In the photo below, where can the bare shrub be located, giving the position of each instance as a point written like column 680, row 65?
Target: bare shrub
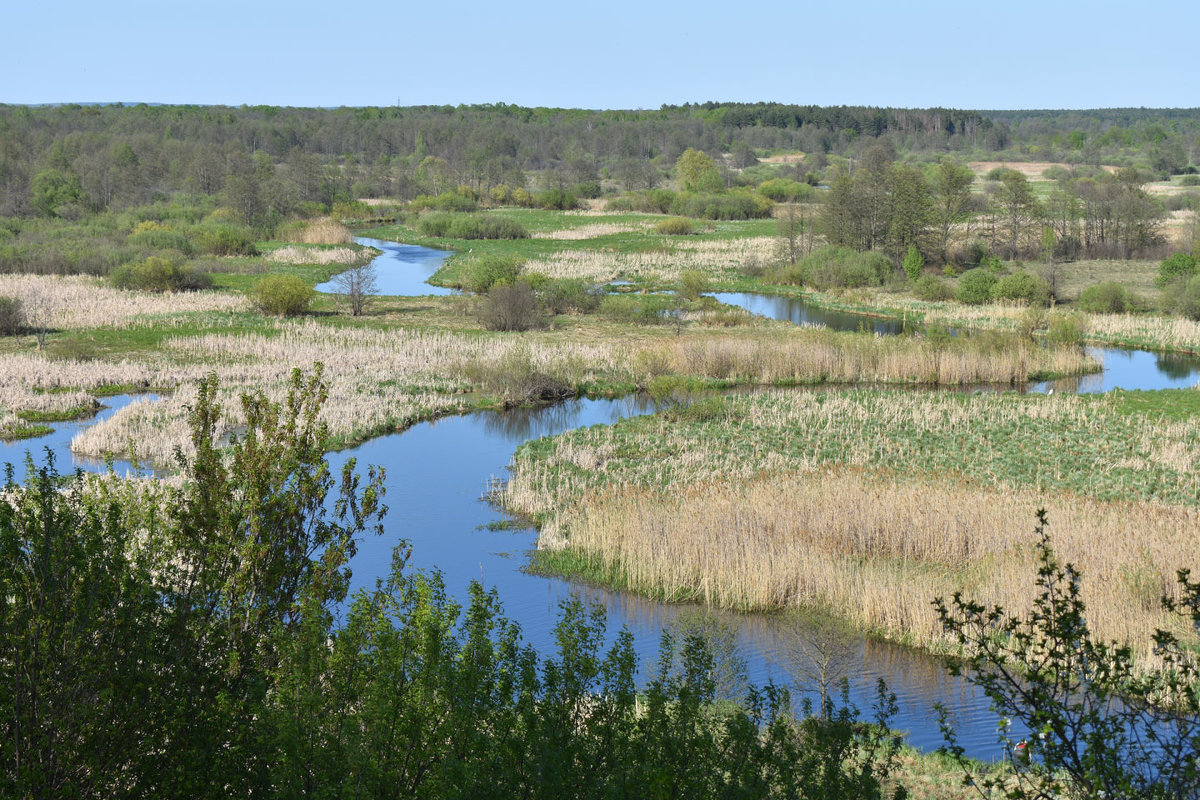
column 513, row 307
column 357, row 284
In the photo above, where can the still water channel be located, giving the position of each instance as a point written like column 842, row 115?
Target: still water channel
column 438, row 474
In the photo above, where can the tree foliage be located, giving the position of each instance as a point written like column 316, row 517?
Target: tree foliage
column 193, row 641
column 1091, row 722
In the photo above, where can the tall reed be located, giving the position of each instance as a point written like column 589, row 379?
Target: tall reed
column 878, row 548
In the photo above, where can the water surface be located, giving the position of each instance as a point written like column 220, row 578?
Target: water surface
column 401, row 270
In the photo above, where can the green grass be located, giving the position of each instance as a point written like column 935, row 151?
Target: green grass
column 1178, row 405
column 68, row 415
column 15, row 433
column 1101, row 447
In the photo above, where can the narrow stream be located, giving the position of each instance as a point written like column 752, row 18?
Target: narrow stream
column 438, row 473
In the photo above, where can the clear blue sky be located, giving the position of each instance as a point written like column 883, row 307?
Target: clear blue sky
column 616, row 54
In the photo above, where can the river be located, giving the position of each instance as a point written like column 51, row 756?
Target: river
column 438, row 474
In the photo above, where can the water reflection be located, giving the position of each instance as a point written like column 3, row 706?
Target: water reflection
column 401, row 269
column 798, row 312
column 522, row 424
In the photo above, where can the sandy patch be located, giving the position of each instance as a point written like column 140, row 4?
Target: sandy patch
column 786, row 158
column 1032, row 170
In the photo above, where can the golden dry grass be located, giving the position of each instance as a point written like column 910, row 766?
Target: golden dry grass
column 785, row 158
column 73, row 302
column 820, row 356
column 665, row 264
column 583, row 232
column 324, row 231
column 878, row 549
column 1151, row 331
column 378, row 379
column 873, row 503
column 315, row 255
column 1032, row 170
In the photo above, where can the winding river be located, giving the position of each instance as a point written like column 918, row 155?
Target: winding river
column 438, row 474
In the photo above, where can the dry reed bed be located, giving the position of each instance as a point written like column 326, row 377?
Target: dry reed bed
column 668, row 263
column 878, row 549
column 813, row 355
column 1147, row 330
column 314, row 255
column 72, row 302
column 378, row 379
column 591, row 231
column 324, row 230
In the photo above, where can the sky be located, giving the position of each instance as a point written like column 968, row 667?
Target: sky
column 617, row 54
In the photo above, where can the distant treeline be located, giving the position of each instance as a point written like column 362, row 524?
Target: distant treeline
column 102, row 156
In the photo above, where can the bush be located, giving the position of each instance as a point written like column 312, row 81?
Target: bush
column 446, row 201
column 692, row 284
column 1183, row 297
column 554, row 200
column 1179, row 265
column 675, row 226
column 283, row 295
column 160, row 239
column 785, row 190
column 726, row 205
column 839, row 268
column 975, row 286
column 156, row 274
column 450, row 225
column 483, row 273
column 511, row 307
column 12, row 315
column 1109, row 297
column 1022, row 286
column 224, row 240
column 571, row 296
column 1065, row 329
column 933, row 289
column 589, row 190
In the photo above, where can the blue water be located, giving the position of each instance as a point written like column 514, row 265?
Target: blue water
column 437, row 476
column 798, row 312
column 58, row 443
column 401, row 270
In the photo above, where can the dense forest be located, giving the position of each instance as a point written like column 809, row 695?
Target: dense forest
column 97, row 157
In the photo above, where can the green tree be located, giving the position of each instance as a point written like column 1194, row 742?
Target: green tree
column 913, row 263
column 1018, row 208
column 1098, row 725
column 951, row 201
column 697, row 172
column 53, row 191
